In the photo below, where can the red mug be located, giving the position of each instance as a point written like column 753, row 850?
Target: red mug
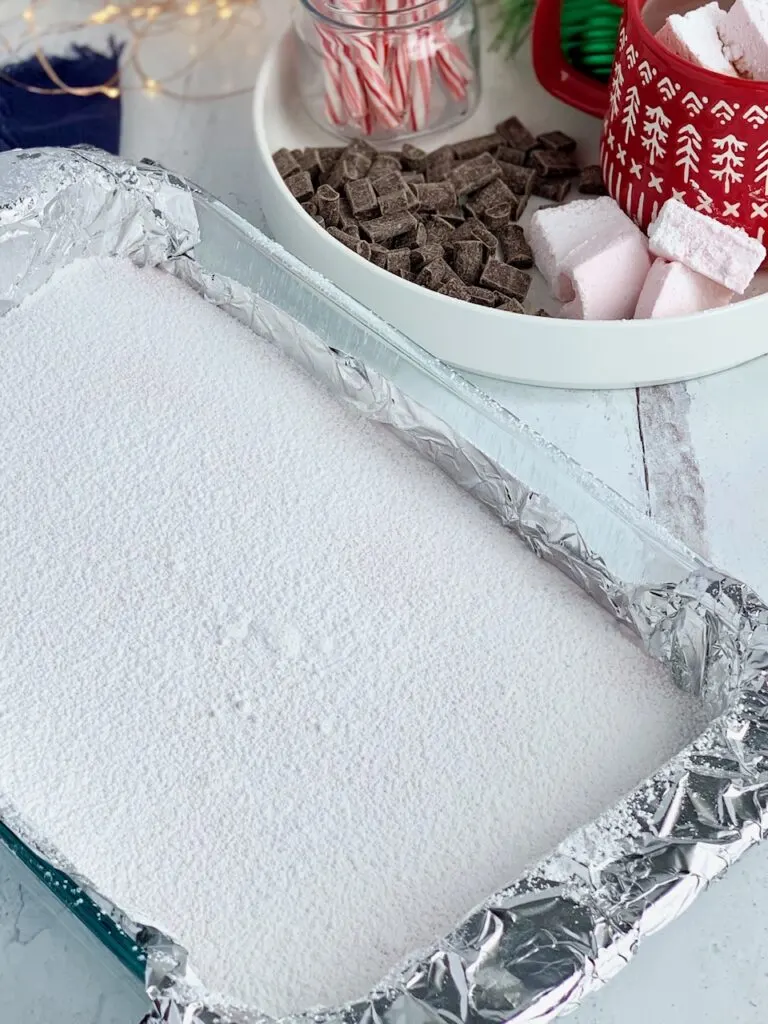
column 673, row 130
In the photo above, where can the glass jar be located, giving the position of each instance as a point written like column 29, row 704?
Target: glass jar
column 387, row 69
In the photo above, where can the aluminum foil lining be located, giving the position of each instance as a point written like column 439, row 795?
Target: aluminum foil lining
column 535, row 949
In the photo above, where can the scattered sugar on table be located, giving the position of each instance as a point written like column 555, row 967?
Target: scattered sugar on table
column 270, row 680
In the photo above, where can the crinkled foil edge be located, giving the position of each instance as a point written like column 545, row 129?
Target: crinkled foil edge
column 535, row 949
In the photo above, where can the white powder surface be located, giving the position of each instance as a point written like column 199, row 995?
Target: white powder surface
column 269, row 679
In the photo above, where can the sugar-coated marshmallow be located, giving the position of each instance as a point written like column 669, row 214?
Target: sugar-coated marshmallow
column 601, row 279
column 726, row 255
column 555, row 231
column 744, row 33
column 695, row 37
column 672, row 289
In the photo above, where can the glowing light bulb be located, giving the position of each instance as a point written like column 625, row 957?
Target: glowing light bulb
column 151, row 86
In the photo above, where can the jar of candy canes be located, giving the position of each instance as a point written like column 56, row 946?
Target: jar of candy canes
column 387, row 69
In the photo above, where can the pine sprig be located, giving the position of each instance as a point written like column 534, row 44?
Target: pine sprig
column 514, row 22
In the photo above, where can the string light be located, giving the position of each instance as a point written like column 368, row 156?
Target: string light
column 141, row 22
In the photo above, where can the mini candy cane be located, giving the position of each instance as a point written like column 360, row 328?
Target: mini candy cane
column 421, row 95
column 382, row 79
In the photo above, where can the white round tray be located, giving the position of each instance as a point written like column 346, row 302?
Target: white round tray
column 529, row 349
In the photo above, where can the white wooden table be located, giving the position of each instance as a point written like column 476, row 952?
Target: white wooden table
column 691, row 456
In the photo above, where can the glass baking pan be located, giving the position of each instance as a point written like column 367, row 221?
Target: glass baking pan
column 535, row 949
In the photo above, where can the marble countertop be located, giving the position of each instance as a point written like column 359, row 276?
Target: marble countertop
column 690, row 455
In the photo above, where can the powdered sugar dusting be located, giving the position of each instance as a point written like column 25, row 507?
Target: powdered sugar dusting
column 270, row 680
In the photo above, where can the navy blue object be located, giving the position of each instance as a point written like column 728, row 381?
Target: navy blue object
column 29, row 119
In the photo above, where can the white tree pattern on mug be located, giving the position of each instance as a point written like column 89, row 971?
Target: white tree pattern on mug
column 761, row 175
column 631, row 110
column 688, row 151
column 617, row 84
column 655, row 133
column 727, row 161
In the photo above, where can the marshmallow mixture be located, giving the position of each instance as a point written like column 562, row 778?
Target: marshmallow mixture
column 269, row 679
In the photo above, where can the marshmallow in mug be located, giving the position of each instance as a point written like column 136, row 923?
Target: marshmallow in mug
column 732, row 43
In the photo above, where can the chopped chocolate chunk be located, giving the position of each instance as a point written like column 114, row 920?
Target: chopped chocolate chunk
column 473, row 230
column 557, row 141
column 394, row 202
column 507, row 280
column 300, row 186
column 353, row 230
column 296, row 153
column 286, row 163
column 455, row 216
column 468, row 260
column 383, row 229
column 518, row 207
column 363, row 147
column 514, row 248
column 436, row 197
column 413, row 178
column 470, row 148
column 510, row 306
column 591, row 181
column 329, row 155
column 311, row 162
column 434, row 274
column 454, row 289
column 475, row 174
column 425, row 254
column 439, row 164
column 413, row 158
column 391, row 181
column 310, row 208
column 415, row 237
column 379, row 256
column 361, row 198
column 347, row 221
column 384, row 165
column 515, row 134
column 361, row 247
column 481, row 296
column 438, row 230
column 349, row 167
column 493, row 194
column 552, row 164
column 556, row 190
column 399, row 262
column 510, row 155
column 519, row 179
column 542, row 312
column 328, row 205
column 495, row 217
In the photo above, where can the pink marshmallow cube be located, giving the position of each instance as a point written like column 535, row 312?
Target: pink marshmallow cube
column 744, row 33
column 555, row 231
column 672, row 289
column 603, row 277
column 726, row 255
column 695, row 37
